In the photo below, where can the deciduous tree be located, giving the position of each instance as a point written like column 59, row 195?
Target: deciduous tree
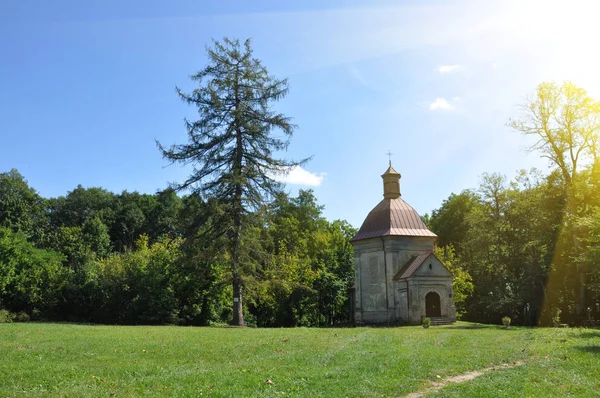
column 565, row 120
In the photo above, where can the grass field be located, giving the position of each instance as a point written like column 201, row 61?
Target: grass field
column 79, row 360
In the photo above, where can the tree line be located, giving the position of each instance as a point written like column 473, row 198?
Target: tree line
column 130, row 258
column 134, row 258
column 530, row 246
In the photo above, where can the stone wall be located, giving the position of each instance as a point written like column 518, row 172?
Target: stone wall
column 376, row 262
column 419, row 287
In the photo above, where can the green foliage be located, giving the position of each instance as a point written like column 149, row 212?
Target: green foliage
column 164, row 216
column 565, row 121
column 96, row 237
column 30, row 278
column 309, row 270
column 82, row 204
column 556, row 317
column 151, row 259
column 21, row 208
column 426, row 321
column 129, row 220
column 6, row 316
column 506, row 320
column 138, row 286
column 531, row 247
column 139, row 258
column 450, row 221
column 22, row 317
column 506, row 253
column 233, row 142
column 114, row 222
column 462, row 284
column 72, row 243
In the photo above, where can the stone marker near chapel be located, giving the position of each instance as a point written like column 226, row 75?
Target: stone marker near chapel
column 398, row 278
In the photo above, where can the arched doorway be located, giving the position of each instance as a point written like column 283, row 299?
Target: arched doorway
column 432, row 305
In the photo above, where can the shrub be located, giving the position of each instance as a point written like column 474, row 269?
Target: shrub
column 426, row 322
column 29, row 277
column 35, row 315
column 556, row 317
column 6, row 316
column 138, row 287
column 506, row 321
column 22, row 317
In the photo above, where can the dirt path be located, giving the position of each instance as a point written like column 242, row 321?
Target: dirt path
column 438, row 385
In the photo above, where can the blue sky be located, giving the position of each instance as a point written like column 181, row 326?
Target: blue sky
column 86, row 87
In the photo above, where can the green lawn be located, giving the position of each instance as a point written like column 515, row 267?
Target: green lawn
column 79, row 360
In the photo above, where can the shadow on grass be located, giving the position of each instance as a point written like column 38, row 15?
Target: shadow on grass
column 461, row 325
column 589, row 335
column 592, row 349
column 471, row 326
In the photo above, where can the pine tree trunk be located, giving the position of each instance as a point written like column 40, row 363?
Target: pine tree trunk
column 238, row 309
column 238, row 313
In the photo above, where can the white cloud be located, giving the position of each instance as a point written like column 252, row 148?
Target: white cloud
column 298, row 176
column 440, row 103
column 449, row 68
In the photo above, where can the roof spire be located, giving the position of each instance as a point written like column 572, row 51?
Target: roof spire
column 389, row 153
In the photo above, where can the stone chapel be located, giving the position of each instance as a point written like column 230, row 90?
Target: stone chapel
column 398, row 278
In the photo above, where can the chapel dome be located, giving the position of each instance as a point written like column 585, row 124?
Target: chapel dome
column 392, row 216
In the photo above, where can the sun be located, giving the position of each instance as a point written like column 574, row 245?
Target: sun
column 569, row 30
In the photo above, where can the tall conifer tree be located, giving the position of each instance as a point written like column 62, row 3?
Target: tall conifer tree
column 232, row 144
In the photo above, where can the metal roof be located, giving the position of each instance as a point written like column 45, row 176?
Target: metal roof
column 411, row 266
column 392, row 217
column 391, row 170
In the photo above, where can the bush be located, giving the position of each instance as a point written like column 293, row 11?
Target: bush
column 426, row 322
column 138, row 287
column 22, row 317
column 556, row 317
column 506, row 321
column 6, row 316
column 29, row 277
column 36, row 315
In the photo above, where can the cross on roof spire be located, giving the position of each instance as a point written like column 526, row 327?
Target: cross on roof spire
column 389, row 153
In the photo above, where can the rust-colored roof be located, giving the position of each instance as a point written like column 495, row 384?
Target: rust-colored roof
column 392, row 217
column 411, row 266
